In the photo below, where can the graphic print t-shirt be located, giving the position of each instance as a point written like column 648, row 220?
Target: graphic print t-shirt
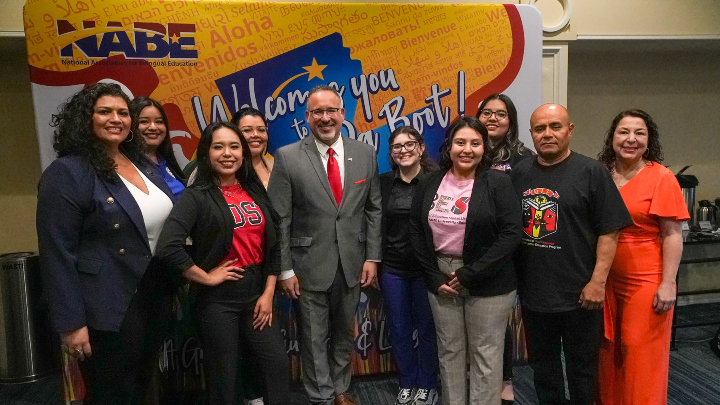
column 249, row 232
column 448, row 214
column 565, row 208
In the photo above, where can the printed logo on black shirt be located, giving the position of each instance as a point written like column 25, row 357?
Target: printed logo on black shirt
column 540, row 214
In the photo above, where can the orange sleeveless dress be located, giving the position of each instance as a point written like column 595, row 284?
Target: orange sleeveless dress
column 635, row 353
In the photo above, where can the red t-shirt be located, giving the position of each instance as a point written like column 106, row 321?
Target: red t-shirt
column 249, row 233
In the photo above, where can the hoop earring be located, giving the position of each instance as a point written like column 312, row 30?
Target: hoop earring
column 131, row 137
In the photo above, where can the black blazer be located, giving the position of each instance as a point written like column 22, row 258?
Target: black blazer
column 93, row 244
column 492, row 233
column 204, row 216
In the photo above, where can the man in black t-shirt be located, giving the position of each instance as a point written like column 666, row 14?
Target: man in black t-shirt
column 572, row 214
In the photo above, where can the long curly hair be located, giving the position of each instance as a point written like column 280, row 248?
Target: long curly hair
column 164, row 150
column 654, row 151
column 74, row 131
column 510, row 145
column 462, row 122
column 427, row 164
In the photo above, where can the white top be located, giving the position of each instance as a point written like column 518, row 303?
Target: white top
column 339, row 156
column 154, row 206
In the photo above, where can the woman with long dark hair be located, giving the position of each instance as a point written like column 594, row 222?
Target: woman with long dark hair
column 100, row 212
column 465, row 224
column 254, row 127
column 233, row 264
column 640, row 292
column 504, row 151
column 150, row 121
column 403, row 286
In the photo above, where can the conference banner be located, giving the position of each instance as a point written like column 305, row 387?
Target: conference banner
column 393, row 64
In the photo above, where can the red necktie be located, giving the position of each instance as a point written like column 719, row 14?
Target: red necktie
column 333, row 171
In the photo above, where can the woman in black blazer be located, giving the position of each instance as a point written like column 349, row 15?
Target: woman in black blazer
column 465, row 228
column 232, row 264
column 100, row 211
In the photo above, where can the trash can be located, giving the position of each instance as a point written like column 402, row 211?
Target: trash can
column 27, row 347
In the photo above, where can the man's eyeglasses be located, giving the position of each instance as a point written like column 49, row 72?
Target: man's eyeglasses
column 247, row 131
column 499, row 114
column 319, row 113
column 409, row 146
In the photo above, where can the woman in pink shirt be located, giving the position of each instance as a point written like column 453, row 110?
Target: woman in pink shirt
column 465, row 228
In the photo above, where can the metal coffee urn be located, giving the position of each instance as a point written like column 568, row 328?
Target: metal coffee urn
column 26, row 339
column 688, row 183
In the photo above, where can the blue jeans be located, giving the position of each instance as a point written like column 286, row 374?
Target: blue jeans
column 407, row 309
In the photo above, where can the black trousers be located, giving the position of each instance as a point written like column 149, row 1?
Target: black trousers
column 119, row 370
column 226, row 331
column 577, row 333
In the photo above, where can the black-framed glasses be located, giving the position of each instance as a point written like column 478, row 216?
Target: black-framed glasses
column 499, row 114
column 409, row 146
column 319, row 112
column 247, row 131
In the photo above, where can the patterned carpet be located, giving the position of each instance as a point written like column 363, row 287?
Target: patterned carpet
column 693, row 380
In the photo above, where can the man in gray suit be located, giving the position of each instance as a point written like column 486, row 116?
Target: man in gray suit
column 326, row 190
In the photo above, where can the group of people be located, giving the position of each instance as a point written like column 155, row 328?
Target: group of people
column 590, row 248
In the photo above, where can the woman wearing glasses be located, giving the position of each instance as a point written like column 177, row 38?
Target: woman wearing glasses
column 403, row 286
column 254, row 128
column 504, row 151
column 465, row 226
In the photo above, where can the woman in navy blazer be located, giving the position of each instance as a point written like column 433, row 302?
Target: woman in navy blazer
column 100, row 211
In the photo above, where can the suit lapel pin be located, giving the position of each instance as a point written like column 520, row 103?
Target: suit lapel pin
column 350, row 159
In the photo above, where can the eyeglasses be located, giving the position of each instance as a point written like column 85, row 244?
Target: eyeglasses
column 319, row 113
column 409, row 146
column 247, row 131
column 499, row 114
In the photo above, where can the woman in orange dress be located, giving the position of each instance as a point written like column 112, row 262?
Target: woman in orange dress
column 641, row 290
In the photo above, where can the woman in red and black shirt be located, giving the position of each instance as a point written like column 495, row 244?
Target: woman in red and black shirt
column 232, row 264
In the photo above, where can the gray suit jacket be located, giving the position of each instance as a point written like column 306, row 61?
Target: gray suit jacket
column 314, row 232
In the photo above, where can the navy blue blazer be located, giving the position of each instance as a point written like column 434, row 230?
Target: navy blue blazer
column 93, row 244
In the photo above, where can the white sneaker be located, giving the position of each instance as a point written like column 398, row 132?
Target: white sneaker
column 405, row 397
column 425, row 397
column 256, row 401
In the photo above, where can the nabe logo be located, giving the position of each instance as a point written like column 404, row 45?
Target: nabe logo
column 149, row 40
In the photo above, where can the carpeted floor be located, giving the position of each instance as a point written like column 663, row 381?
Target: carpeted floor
column 693, row 380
